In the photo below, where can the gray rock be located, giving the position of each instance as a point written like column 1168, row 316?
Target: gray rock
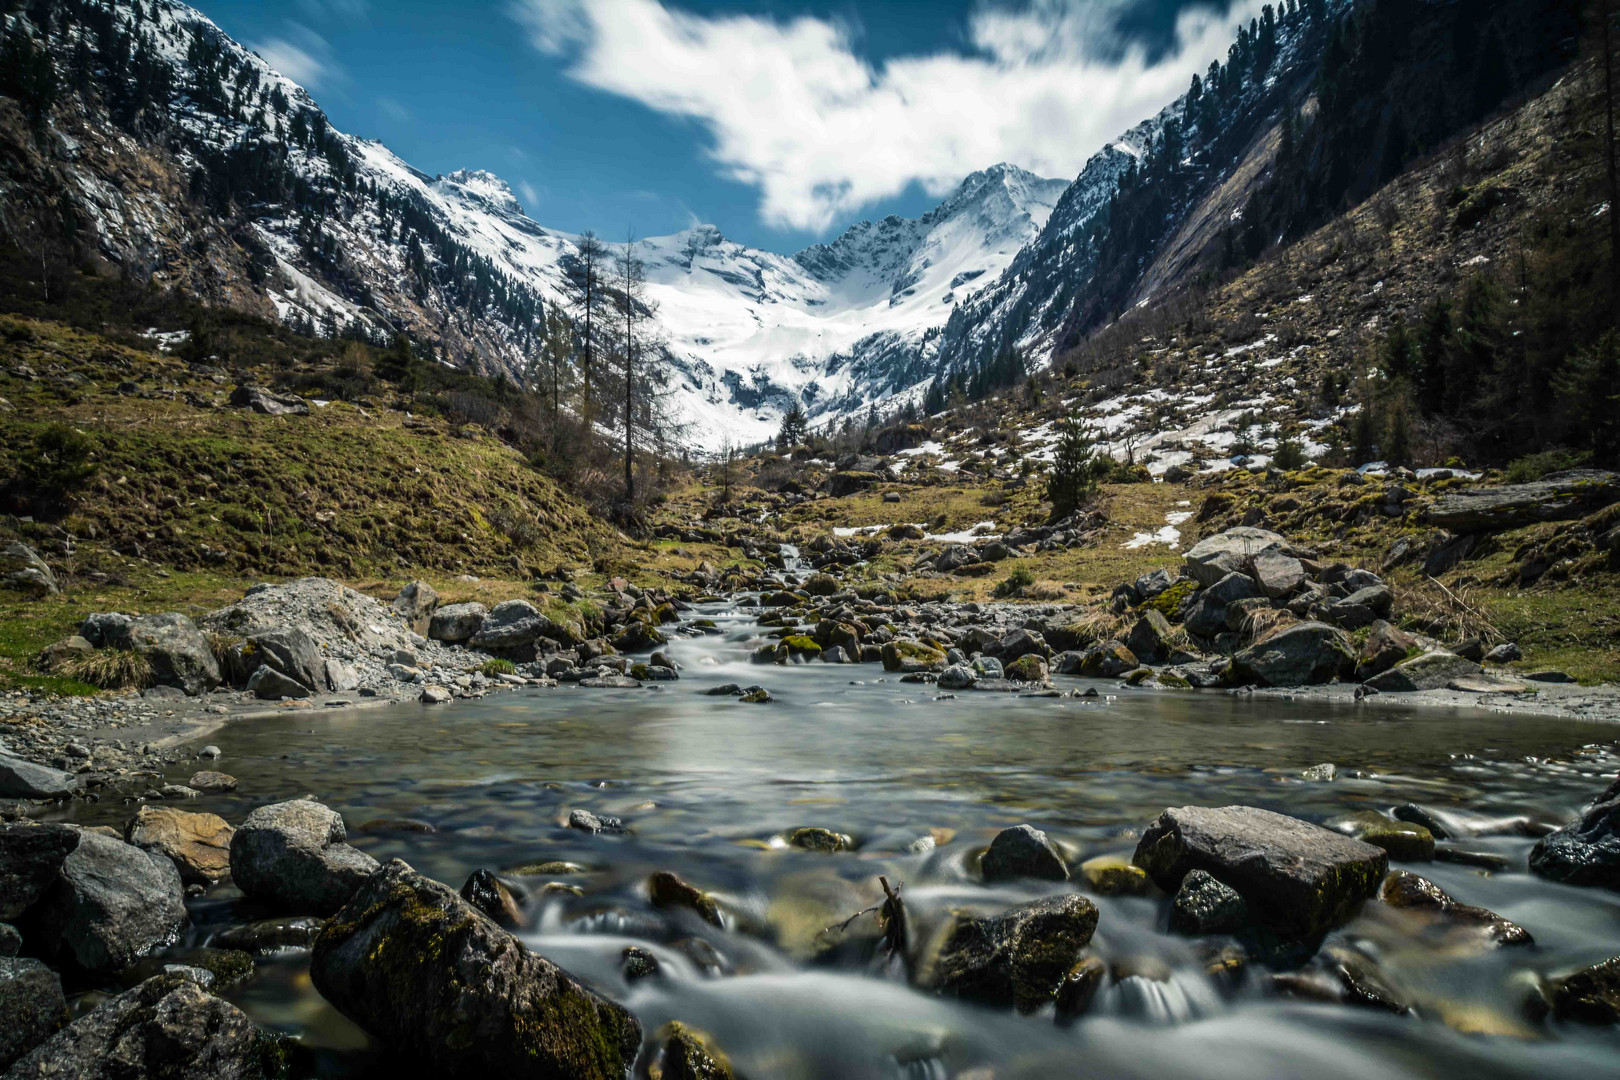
column 1214, row 557
column 512, row 624
column 268, row 684
column 22, row 569
column 585, row 821
column 988, row 667
column 1379, row 598
column 179, row 653
column 1018, row 644
column 957, row 677
column 167, row 1028
column 1204, row 905
column 1304, row 654
column 107, row 630
column 262, row 401
column 340, row 676
column 1557, row 497
column 1506, row 653
column 1299, row 878
column 291, row 652
column 324, row 609
column 1434, row 670
column 435, row 695
column 109, row 904
column 1019, row 958
column 1279, row 576
column 1147, row 639
column 1150, row 585
column 30, row 857
column 1385, row 647
column 416, row 604
column 21, row 779
column 1584, row 852
column 293, row 856
column 10, row 940
column 1023, row 851
column 1207, row 616
column 425, row 974
column 32, row 1007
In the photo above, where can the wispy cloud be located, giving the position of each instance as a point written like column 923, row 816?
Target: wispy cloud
column 793, row 110
column 531, row 197
column 303, row 56
column 346, row 10
column 393, row 110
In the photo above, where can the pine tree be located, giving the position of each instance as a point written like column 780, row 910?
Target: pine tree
column 795, row 427
column 587, row 298
column 1077, row 469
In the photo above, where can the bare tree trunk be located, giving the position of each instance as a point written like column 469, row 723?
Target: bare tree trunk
column 1606, row 13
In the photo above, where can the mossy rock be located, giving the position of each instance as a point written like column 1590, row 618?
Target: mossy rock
column 821, row 585
column 1172, row 681
column 765, row 654
column 815, row 838
column 897, row 655
column 1115, row 875
column 1404, row 840
column 1168, row 603
column 685, row 1053
column 798, row 645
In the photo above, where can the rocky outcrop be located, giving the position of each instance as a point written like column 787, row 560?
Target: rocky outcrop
column 511, row 625
column 265, row 403
column 416, row 604
column 293, row 856
column 167, row 1028
column 1019, row 958
column 1299, row 878
column 430, row 977
column 1560, row 496
column 456, row 623
column 1434, row 670
column 1230, row 552
column 292, row 654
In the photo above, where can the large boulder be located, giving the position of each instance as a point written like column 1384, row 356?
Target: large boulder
column 269, row 684
column 1300, row 655
column 21, row 779
column 840, row 484
column 292, row 653
column 1023, row 851
column 1560, row 496
column 293, row 856
column 427, row 975
column 1018, row 958
column 511, row 625
column 910, row 656
column 456, row 623
column 179, row 653
column 1230, row 552
column 1584, row 852
column 416, row 604
column 110, row 903
column 107, row 629
column 326, row 610
column 1018, row 644
column 1148, row 640
column 1207, row 616
column 1298, row 878
column 22, row 569
column 30, row 856
column 1434, row 670
column 1385, row 647
column 167, row 1028
column 32, row 1007
column 199, row 845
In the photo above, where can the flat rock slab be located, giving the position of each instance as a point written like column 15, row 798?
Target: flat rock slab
column 1560, row 496
column 1434, row 670
column 21, row 779
column 1297, row 878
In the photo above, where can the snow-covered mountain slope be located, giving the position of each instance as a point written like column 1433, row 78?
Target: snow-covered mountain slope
column 339, row 235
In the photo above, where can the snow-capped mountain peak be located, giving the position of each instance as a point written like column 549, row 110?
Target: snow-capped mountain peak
column 479, row 184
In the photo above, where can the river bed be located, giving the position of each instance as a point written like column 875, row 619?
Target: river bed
column 708, row 786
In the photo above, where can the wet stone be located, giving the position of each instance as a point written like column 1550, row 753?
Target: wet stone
column 586, row 821
column 1019, row 958
column 1204, row 905
column 1023, row 851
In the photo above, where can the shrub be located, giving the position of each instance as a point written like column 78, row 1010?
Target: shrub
column 57, row 465
column 112, row 669
column 497, row 666
column 1533, row 467
column 1289, row 456
column 1015, row 583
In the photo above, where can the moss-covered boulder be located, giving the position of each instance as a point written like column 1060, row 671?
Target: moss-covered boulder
column 1019, row 958
column 668, row 890
column 1403, row 840
column 907, row 656
column 815, row 838
column 638, row 636
column 798, row 647
column 1028, row 669
column 821, row 585
column 433, row 979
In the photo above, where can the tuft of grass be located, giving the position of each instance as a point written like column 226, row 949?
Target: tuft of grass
column 497, row 666
column 111, row 669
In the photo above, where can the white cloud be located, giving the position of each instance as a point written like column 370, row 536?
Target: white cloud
column 793, row 110
column 303, row 56
column 531, row 197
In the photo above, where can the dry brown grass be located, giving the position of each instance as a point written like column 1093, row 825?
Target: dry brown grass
column 111, row 669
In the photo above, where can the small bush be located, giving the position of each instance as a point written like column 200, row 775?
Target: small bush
column 1015, row 583
column 1533, row 467
column 497, row 666
column 1289, row 456
column 112, row 669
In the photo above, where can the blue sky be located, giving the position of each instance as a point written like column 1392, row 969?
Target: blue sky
column 779, row 122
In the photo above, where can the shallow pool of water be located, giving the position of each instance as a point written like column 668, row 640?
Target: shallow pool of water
column 707, row 786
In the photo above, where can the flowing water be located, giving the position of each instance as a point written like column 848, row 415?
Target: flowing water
column 708, row 786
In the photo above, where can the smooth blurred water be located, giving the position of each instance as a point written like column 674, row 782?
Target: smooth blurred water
column 707, row 786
